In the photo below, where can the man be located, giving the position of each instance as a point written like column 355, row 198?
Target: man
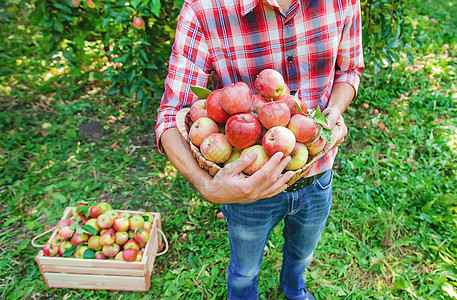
column 316, row 45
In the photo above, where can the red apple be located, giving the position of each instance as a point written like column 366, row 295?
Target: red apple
column 66, row 232
column 132, row 244
column 124, row 215
column 104, row 206
column 299, row 157
column 50, row 249
column 257, row 102
column 303, row 127
column 138, row 22
column 278, row 139
column 63, row 223
column 78, row 239
column 290, row 101
column 216, row 148
column 104, row 221
column 202, row 128
column 261, row 160
column 107, row 238
column 100, row 255
column 121, row 224
column 95, row 211
column 130, row 254
column 90, row 3
column 94, row 243
column 243, row 130
column 142, row 236
column 121, row 237
column 316, row 146
column 270, row 83
column 136, row 222
column 273, row 114
column 286, row 89
column 111, row 251
column 139, row 257
column 214, row 108
column 198, row 110
column 236, row 98
column 75, row 3
column 80, row 251
column 148, row 226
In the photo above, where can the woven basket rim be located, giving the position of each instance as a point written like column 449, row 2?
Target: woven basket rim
column 213, row 168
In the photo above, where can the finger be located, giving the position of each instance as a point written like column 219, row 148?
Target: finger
column 242, row 163
column 266, row 170
column 279, row 186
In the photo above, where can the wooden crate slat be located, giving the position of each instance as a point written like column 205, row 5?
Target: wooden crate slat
column 94, row 263
column 95, row 271
column 105, row 282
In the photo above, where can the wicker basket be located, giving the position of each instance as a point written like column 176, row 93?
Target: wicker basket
column 183, row 119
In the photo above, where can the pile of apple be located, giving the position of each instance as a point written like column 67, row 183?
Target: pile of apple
column 231, row 121
column 101, row 232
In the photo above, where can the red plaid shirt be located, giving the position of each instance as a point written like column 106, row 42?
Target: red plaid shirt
column 315, row 44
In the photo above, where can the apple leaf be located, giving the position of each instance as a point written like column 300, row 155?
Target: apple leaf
column 84, row 210
column 89, row 229
column 297, row 103
column 326, row 134
column 89, row 253
column 79, row 230
column 69, row 251
column 200, row 92
column 319, row 117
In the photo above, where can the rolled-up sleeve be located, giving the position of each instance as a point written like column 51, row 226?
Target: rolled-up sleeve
column 189, row 65
column 349, row 61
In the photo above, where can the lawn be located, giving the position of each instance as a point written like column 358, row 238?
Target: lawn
column 391, row 233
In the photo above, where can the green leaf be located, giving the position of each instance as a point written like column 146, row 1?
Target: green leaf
column 89, row 254
column 155, row 7
column 89, row 229
column 69, row 251
column 201, row 93
column 297, row 103
column 319, row 117
column 136, row 3
column 400, row 283
column 326, row 134
column 63, row 8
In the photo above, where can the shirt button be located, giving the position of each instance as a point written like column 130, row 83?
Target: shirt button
column 290, row 58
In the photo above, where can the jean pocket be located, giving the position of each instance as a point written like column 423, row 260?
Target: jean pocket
column 325, row 181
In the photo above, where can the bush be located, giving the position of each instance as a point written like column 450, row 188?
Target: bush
column 95, row 40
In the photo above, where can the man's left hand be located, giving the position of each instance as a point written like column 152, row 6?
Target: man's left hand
column 334, row 118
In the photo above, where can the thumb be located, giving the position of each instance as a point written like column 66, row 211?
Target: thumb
column 332, row 118
column 243, row 162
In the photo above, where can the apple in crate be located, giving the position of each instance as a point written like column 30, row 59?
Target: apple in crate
column 64, row 246
column 50, row 249
column 93, row 223
column 136, row 222
column 299, row 157
column 304, row 128
column 214, row 108
column 121, row 224
column 111, row 251
column 94, row 243
column 260, row 161
column 104, row 221
column 121, row 237
column 278, row 139
column 66, row 232
column 142, row 236
column 107, row 238
column 100, row 255
column 114, row 214
column 78, row 239
column 198, row 110
column 216, row 148
column 236, row 98
column 105, row 206
column 273, row 114
column 132, row 244
column 202, row 128
column 130, row 254
column 243, row 130
column 118, row 256
column 270, row 83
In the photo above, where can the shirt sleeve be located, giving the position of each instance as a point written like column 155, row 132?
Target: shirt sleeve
column 349, row 60
column 189, row 65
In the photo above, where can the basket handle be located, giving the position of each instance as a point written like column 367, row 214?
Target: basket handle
column 40, row 235
column 181, row 122
column 166, row 242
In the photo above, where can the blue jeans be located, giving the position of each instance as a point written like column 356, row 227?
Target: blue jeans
column 249, row 224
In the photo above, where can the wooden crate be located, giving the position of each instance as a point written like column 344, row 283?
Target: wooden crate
column 60, row 272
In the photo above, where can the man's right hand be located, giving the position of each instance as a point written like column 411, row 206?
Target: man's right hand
column 230, row 185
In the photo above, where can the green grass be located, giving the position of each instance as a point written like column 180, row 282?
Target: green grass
column 392, row 229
